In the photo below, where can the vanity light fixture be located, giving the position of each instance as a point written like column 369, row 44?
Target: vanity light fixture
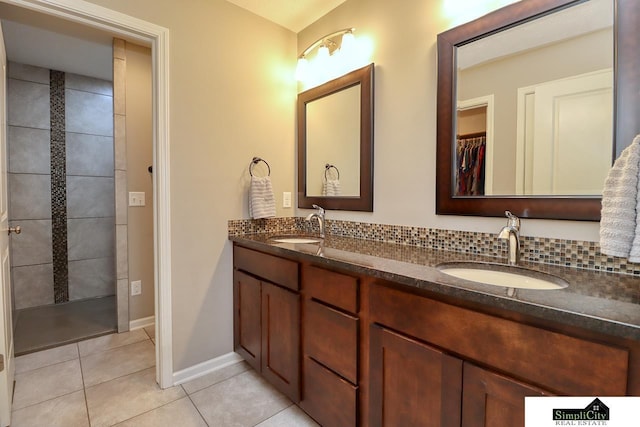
column 329, row 57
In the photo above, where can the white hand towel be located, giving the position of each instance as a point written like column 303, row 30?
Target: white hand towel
column 262, row 202
column 331, row 187
column 619, row 219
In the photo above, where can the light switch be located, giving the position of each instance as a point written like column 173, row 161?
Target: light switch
column 136, row 198
column 286, row 199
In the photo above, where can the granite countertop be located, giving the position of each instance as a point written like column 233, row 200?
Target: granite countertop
column 603, row 302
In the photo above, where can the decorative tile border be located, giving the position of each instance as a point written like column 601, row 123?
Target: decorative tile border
column 58, row 188
column 567, row 253
column 264, row 225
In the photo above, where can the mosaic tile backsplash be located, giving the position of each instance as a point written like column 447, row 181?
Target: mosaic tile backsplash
column 568, row 253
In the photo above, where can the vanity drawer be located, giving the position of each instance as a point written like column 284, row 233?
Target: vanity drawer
column 336, row 289
column 560, row 363
column 327, row 398
column 278, row 270
column 331, row 338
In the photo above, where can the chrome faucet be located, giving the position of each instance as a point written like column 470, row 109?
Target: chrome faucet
column 319, row 215
column 511, row 233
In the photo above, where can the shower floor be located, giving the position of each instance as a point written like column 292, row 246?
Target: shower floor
column 39, row 328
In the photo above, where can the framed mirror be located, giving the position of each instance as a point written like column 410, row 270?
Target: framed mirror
column 507, row 136
column 335, row 143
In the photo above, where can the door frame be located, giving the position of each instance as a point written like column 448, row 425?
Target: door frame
column 7, row 377
column 487, row 101
column 130, row 28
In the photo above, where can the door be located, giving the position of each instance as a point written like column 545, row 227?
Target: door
column 6, row 328
column 411, row 383
column 281, row 339
column 247, row 320
column 493, row 400
column 570, row 124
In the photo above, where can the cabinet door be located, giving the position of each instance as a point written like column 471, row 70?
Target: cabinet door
column 412, row 384
column 247, row 320
column 490, row 399
column 281, row 339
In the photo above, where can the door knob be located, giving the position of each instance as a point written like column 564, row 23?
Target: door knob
column 15, row 229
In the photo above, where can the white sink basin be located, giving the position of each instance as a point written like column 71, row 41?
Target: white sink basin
column 296, row 239
column 506, row 276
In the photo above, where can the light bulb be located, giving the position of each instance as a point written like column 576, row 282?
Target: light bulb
column 302, row 69
column 321, row 63
column 348, row 44
column 323, row 55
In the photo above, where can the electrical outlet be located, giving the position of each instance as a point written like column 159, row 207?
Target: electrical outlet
column 136, row 287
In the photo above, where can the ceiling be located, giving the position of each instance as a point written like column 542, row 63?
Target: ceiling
column 36, row 39
column 560, row 26
column 292, row 14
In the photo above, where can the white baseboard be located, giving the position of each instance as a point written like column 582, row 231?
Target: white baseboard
column 205, row 367
column 142, row 323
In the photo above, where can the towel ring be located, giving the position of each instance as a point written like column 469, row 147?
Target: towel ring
column 326, row 169
column 255, row 161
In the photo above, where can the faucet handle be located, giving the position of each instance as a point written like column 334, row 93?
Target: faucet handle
column 319, row 208
column 512, row 220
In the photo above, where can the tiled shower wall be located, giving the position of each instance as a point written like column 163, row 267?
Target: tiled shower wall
column 61, row 186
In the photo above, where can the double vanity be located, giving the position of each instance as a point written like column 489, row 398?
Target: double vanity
column 359, row 332
column 366, row 333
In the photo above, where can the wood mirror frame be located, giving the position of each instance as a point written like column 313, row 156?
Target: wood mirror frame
column 626, row 110
column 363, row 202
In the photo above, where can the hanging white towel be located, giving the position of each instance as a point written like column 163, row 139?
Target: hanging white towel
column 331, row 187
column 620, row 215
column 262, row 202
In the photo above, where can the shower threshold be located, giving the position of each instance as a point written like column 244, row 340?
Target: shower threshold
column 40, row 328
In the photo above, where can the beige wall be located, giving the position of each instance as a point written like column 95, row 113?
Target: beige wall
column 404, row 35
column 232, row 97
column 139, row 133
column 472, row 120
column 333, row 137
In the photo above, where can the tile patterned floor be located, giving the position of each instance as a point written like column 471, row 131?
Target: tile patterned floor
column 110, row 381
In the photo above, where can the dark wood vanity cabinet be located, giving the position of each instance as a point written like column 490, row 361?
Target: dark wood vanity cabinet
column 459, row 367
column 330, row 337
column 358, row 351
column 413, row 383
column 267, row 317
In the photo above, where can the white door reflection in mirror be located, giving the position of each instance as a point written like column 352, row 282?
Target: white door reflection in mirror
column 561, row 46
column 563, row 131
column 333, row 137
